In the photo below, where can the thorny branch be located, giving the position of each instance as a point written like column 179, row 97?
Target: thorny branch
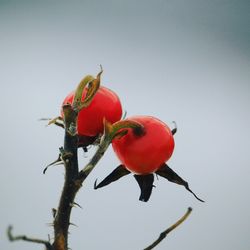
column 68, row 155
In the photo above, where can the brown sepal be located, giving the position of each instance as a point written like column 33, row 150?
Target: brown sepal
column 166, row 172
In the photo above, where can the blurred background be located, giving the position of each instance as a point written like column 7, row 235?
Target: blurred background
column 183, row 61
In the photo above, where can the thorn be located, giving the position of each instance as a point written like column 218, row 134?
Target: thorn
column 58, row 161
column 174, row 130
column 124, row 115
column 58, row 121
column 95, row 184
column 54, row 212
column 50, row 224
column 74, row 204
column 72, row 224
column 54, row 120
column 44, row 119
column 101, row 68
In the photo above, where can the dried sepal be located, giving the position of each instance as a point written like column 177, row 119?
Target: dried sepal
column 79, row 90
column 166, row 172
column 120, row 128
column 115, row 175
column 120, row 134
column 125, row 124
column 92, row 85
column 145, row 183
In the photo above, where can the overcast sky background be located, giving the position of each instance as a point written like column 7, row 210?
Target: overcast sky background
column 187, row 61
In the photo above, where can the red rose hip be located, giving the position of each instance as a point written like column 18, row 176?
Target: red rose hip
column 105, row 104
column 145, row 153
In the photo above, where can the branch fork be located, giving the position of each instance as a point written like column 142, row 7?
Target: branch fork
column 68, row 156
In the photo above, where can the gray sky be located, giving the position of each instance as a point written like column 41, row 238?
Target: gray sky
column 187, row 61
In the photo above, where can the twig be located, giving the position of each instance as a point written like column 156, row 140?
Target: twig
column 102, row 147
column 164, row 234
column 25, row 238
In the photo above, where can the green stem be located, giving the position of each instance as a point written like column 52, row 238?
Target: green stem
column 102, row 147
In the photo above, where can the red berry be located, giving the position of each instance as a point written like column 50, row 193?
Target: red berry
column 145, row 154
column 105, row 104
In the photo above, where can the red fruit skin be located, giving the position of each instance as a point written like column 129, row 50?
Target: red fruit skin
column 145, row 154
column 105, row 104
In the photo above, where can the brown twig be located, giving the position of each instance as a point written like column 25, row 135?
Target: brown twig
column 164, row 234
column 25, row 238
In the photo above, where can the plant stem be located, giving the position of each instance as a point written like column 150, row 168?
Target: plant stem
column 164, row 234
column 73, row 178
column 70, row 188
column 29, row 239
column 102, row 147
